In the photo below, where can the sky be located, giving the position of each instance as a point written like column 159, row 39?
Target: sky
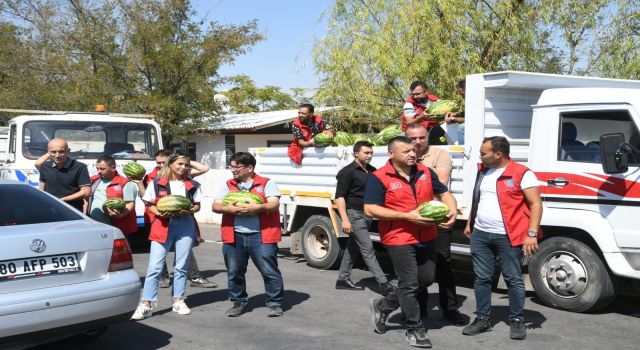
column 289, row 26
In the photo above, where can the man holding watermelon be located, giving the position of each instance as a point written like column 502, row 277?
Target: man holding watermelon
column 304, row 129
column 415, row 109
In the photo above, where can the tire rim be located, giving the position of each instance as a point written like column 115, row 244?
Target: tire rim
column 318, row 242
column 564, row 274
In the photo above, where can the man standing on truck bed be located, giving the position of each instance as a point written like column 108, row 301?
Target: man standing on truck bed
column 349, row 194
column 439, row 160
column 392, row 195
column 505, row 217
column 414, row 111
column 303, row 129
column 62, row 176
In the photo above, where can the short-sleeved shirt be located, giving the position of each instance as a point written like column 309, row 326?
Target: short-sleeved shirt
column 489, row 217
column 314, row 128
column 65, row 180
column 375, row 191
column 436, row 158
column 96, row 212
column 248, row 224
column 176, row 188
column 351, row 184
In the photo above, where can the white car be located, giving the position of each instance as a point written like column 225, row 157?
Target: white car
column 61, row 273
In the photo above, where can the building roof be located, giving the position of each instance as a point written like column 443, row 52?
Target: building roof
column 257, row 120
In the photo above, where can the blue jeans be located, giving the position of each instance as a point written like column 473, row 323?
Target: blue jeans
column 264, row 256
column 486, row 248
column 182, row 232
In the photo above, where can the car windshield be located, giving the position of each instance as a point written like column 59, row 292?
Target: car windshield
column 92, row 139
column 25, row 205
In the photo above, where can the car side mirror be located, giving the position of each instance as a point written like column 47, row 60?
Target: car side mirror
column 614, row 159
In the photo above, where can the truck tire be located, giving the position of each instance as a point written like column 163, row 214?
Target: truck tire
column 567, row 274
column 320, row 245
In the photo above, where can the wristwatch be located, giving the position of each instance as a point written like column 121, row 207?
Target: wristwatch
column 533, row 234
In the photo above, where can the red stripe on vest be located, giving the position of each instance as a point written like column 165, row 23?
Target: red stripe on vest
column 419, row 108
column 269, row 221
column 126, row 224
column 400, row 197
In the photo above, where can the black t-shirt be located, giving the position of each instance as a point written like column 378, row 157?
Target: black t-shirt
column 66, row 180
column 351, row 182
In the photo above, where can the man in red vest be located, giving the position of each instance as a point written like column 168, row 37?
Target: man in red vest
column 251, row 230
column 504, row 225
column 304, row 129
column 393, row 194
column 108, row 184
column 415, row 109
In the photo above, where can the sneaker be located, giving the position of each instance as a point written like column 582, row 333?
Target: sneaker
column 181, row 308
column 202, row 283
column 378, row 317
column 480, row 325
column 348, row 284
column 418, row 338
column 165, row 282
column 386, row 288
column 518, row 330
column 455, row 317
column 275, row 311
column 237, row 309
column 142, row 311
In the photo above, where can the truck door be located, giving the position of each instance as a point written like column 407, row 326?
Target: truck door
column 572, row 176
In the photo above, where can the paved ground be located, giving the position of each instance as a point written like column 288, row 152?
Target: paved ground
column 319, row 317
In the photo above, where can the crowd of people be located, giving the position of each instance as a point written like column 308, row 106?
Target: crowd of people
column 504, row 221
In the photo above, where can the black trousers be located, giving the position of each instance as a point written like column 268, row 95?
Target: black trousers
column 415, row 266
column 444, row 275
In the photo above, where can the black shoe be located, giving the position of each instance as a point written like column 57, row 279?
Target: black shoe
column 518, row 330
column 386, row 288
column 237, row 309
column 347, row 284
column 275, row 311
column 165, row 282
column 378, row 317
column 418, row 338
column 480, row 325
column 455, row 317
column 202, row 283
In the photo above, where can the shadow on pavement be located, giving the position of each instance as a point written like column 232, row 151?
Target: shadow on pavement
column 285, row 254
column 291, row 299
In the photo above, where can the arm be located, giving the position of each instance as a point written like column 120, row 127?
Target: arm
column 198, row 168
column 342, row 210
column 84, row 192
column 304, row 143
column 272, row 204
column 43, row 158
column 532, row 195
column 129, row 207
column 448, row 199
column 417, row 118
column 140, row 187
column 42, row 186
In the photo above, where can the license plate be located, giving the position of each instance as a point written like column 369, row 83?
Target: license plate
column 39, row 266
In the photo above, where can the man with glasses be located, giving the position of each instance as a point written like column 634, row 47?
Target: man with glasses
column 415, row 111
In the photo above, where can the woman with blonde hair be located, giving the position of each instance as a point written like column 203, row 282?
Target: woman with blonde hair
column 168, row 229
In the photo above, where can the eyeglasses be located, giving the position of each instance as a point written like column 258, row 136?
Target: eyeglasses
column 236, row 167
column 416, row 94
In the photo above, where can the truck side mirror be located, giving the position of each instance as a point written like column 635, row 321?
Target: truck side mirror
column 614, row 159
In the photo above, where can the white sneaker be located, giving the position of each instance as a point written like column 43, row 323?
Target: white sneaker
column 181, row 308
column 142, row 311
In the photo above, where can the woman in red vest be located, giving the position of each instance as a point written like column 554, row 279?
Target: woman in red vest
column 168, row 229
column 304, row 129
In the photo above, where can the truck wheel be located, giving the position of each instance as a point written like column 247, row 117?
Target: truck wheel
column 567, row 274
column 320, row 245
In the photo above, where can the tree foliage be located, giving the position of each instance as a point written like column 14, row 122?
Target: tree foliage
column 135, row 56
column 374, row 49
column 245, row 97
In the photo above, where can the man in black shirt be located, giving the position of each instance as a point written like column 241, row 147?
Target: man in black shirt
column 62, row 176
column 349, row 196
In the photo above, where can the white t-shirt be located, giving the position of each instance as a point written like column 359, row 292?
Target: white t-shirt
column 489, row 217
column 177, row 188
column 409, row 110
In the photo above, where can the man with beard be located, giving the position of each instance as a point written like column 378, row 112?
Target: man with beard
column 393, row 195
column 415, row 111
column 304, row 129
column 349, row 194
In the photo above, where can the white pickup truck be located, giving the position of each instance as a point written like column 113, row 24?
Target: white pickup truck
column 567, row 129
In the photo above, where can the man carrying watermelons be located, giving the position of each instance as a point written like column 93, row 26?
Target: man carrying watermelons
column 304, row 129
column 415, row 109
column 250, row 204
column 113, row 197
column 396, row 194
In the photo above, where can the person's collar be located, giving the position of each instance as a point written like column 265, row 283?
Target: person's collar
column 66, row 164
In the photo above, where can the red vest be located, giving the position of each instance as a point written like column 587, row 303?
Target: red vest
column 160, row 227
column 419, row 108
column 148, row 216
column 126, row 224
column 295, row 150
column 269, row 221
column 513, row 205
column 399, row 196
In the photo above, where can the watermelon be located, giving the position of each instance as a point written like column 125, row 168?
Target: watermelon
column 344, row 139
column 322, row 140
column 388, row 133
column 117, row 204
column 376, row 140
column 241, row 197
column 173, row 203
column 134, row 171
column 359, row 137
column 441, row 107
column 435, row 210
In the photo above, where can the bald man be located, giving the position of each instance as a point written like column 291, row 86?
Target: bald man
column 62, row 176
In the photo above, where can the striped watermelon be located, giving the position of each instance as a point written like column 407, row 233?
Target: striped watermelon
column 241, row 197
column 134, row 171
column 344, row 139
column 435, row 210
column 173, row 203
column 322, row 140
column 117, row 204
column 441, row 107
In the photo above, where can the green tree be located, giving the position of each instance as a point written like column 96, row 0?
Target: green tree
column 245, row 97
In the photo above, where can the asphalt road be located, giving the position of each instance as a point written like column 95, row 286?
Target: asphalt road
column 319, row 317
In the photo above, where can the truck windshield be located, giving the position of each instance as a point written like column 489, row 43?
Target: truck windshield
column 91, row 139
